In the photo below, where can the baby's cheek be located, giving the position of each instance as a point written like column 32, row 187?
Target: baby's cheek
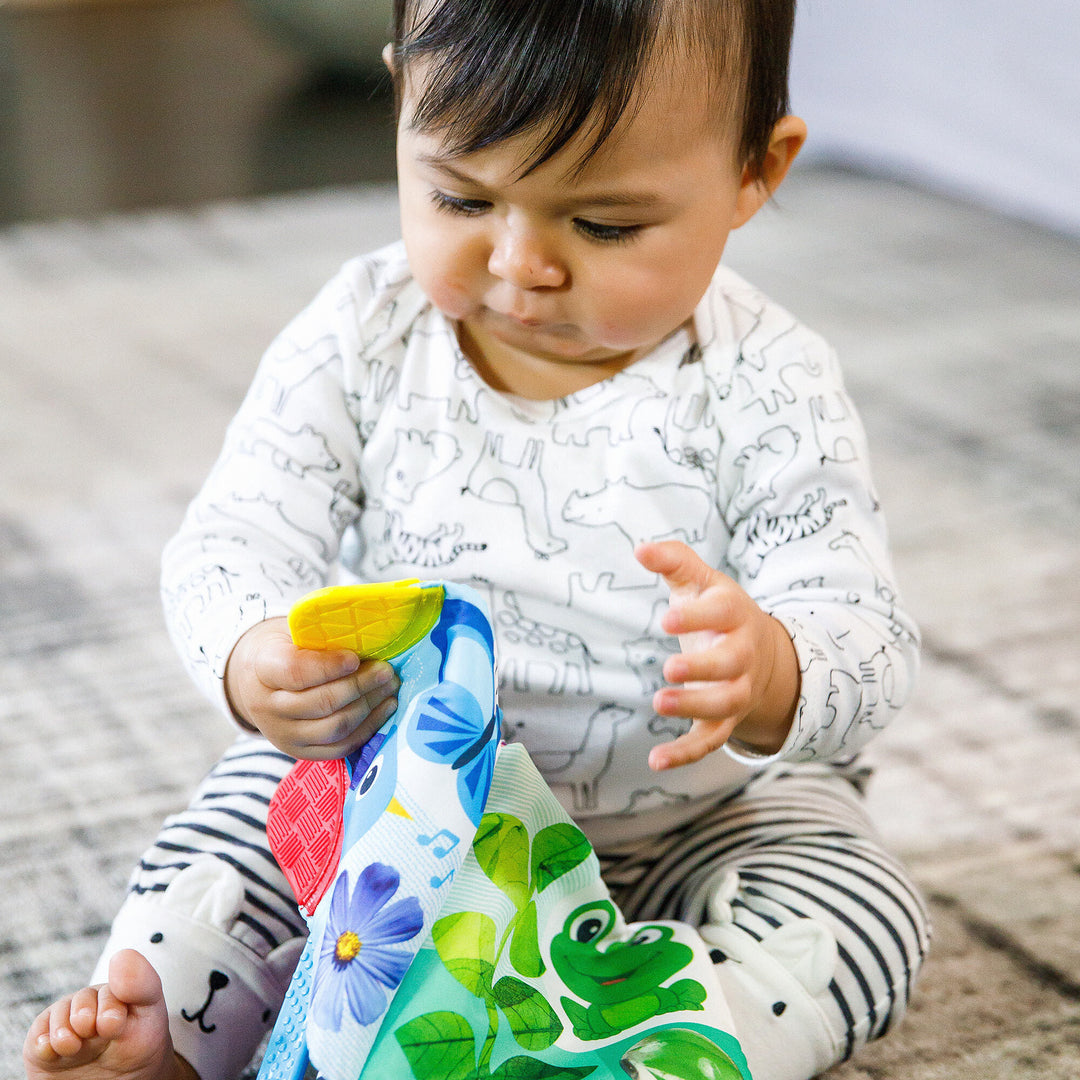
column 633, row 330
column 449, row 295
column 636, row 318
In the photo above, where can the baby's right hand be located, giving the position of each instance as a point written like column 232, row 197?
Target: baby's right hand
column 309, row 703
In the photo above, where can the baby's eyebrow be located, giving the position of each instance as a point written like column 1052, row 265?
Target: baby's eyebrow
column 638, row 200
column 438, row 161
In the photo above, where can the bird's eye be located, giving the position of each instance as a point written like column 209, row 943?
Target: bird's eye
column 369, row 777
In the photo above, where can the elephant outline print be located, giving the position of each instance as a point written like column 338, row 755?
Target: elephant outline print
column 861, row 697
column 785, row 389
column 760, row 464
column 417, row 458
column 457, row 406
column 635, row 393
column 831, row 418
column 635, row 510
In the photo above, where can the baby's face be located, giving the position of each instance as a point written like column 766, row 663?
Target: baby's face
column 559, row 279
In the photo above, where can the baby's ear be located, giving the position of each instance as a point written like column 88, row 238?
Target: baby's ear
column 787, row 139
column 388, row 56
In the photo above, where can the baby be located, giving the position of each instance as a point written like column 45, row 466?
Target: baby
column 553, row 391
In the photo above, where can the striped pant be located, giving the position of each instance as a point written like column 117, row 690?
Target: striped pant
column 817, row 933
column 794, row 850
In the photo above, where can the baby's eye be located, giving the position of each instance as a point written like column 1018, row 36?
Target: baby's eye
column 606, row 234
column 452, row 204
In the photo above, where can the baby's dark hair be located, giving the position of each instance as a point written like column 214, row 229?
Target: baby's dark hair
column 499, row 68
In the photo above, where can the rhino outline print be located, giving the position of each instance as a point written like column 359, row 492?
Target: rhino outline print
column 685, row 503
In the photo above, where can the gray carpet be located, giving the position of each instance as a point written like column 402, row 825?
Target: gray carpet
column 125, row 344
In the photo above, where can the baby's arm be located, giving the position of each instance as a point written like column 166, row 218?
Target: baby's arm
column 310, row 704
column 265, row 528
column 738, row 672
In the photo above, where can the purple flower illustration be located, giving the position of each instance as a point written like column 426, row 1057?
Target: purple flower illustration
column 355, row 957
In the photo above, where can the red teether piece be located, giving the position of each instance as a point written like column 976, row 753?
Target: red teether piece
column 304, row 827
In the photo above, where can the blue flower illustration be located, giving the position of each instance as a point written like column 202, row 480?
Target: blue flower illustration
column 355, row 961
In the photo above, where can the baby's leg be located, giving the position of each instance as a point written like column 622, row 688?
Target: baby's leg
column 818, row 933
column 116, row 1031
column 211, row 911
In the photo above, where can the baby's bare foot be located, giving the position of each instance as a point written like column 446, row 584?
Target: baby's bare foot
column 118, row 1031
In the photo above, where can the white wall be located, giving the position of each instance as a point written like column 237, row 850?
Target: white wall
column 980, row 97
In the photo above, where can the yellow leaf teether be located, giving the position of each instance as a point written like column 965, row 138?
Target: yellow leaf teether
column 379, row 620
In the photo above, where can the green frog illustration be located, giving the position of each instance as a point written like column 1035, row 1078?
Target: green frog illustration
column 621, row 983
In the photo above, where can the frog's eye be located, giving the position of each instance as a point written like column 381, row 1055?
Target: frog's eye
column 591, row 923
column 648, row 935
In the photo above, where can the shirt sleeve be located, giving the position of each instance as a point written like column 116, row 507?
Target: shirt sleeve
column 266, row 526
column 809, row 540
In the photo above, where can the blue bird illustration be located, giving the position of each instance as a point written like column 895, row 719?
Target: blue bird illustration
column 372, row 786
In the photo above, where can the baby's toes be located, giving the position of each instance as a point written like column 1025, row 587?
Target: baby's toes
column 112, row 1013
column 65, row 1041
column 38, row 1048
column 83, row 1012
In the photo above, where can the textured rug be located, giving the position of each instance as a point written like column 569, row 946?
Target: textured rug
column 126, row 343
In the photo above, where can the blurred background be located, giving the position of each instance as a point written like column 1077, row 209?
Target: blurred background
column 109, row 104
column 177, row 179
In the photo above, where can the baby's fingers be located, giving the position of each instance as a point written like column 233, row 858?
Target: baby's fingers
column 340, row 734
column 367, row 686
column 712, row 701
column 728, row 658
column 680, row 566
column 718, row 609
column 703, row 738
column 284, row 667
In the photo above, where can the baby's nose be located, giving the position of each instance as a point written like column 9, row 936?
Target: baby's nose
column 521, row 258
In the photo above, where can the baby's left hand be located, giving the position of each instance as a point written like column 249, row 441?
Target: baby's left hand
column 738, row 670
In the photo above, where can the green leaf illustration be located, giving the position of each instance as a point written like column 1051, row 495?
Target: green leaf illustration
column 474, row 975
column 502, row 850
column 679, row 1053
column 439, row 1046
column 465, row 935
column 524, row 945
column 534, row 1023
column 527, row 1068
column 465, row 942
column 556, row 850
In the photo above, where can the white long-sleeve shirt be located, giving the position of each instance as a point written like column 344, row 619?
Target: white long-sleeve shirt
column 367, row 440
